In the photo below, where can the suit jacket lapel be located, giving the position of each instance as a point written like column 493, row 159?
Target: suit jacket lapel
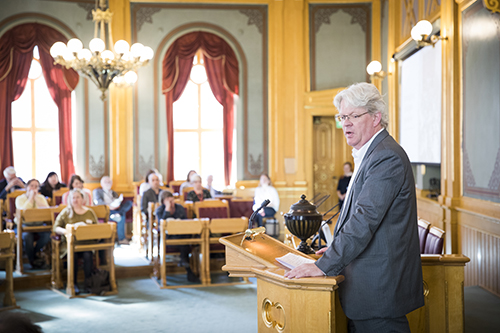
column 347, row 205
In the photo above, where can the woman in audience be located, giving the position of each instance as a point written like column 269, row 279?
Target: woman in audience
column 198, row 193
column 50, row 184
column 169, row 209
column 188, row 182
column 32, row 199
column 77, row 182
column 76, row 213
column 264, row 191
column 343, row 183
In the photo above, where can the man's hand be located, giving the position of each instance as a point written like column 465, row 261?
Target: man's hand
column 304, row 270
column 321, row 251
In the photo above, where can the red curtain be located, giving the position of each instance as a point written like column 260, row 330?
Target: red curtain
column 16, row 52
column 223, row 77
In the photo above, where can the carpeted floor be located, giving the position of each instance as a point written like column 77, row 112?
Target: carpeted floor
column 141, row 306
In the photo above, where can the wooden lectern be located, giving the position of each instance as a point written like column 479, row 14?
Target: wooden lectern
column 284, row 305
column 312, row 304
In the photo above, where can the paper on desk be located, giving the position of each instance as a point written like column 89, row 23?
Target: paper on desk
column 291, row 260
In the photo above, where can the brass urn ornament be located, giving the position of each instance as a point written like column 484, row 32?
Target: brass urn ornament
column 303, row 221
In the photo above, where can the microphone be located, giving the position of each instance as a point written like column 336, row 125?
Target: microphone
column 252, row 217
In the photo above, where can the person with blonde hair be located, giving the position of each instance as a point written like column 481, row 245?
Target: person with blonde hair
column 78, row 214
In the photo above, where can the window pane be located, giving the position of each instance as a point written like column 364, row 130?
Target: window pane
column 46, row 113
column 211, row 110
column 21, row 143
column 21, row 109
column 212, row 151
column 186, row 153
column 186, row 108
column 47, row 154
column 198, row 74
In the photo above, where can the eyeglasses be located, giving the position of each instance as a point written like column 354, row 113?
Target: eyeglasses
column 344, row 117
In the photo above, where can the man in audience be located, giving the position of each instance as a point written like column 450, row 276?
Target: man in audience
column 10, row 183
column 375, row 244
column 118, row 208
column 152, row 194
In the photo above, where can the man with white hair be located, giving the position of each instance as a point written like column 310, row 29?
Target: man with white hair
column 118, row 208
column 375, row 244
column 10, row 183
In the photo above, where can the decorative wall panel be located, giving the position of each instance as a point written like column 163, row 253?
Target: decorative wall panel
column 481, row 103
column 340, row 44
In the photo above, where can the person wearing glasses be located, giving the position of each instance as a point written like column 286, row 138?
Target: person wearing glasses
column 375, row 244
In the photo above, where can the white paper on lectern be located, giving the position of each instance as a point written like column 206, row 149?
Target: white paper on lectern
column 291, row 260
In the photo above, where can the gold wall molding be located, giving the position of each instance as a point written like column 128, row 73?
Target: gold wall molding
column 492, row 5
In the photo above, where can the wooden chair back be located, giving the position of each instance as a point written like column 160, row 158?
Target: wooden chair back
column 423, row 230
column 102, row 213
column 57, row 196
column 175, row 185
column 196, row 229
column 152, row 229
column 28, row 220
column 241, row 207
column 228, row 226
column 10, row 204
column 211, row 209
column 245, row 192
column 185, row 192
column 7, row 240
column 105, row 233
column 434, row 242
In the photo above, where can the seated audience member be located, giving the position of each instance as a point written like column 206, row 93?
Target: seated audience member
column 50, row 184
column 210, row 188
column 198, row 193
column 118, row 207
column 77, row 182
column 145, row 185
column 76, row 213
column 152, row 194
column 17, row 322
column 10, row 183
column 188, row 182
column 264, row 191
column 169, row 209
column 32, row 199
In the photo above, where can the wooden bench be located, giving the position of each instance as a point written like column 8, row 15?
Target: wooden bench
column 7, row 240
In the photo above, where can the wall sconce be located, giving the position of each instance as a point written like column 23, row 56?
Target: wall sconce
column 374, row 69
column 421, row 33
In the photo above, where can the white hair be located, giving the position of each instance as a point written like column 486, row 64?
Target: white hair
column 195, row 176
column 9, row 171
column 364, row 95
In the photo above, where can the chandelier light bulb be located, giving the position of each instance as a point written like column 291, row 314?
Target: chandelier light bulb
column 136, row 50
column 107, row 55
column 84, row 54
column 130, row 77
column 147, row 54
column 96, row 45
column 373, row 67
column 127, row 56
column 35, row 70
column 67, row 55
column 118, row 80
column 122, row 46
column 57, row 49
column 75, row 45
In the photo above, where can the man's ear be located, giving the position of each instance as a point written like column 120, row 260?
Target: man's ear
column 377, row 118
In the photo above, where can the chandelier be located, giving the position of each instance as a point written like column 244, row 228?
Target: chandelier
column 102, row 62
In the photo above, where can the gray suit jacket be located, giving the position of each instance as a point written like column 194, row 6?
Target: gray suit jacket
column 376, row 245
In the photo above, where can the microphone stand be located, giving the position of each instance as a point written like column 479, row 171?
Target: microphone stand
column 251, row 233
column 322, row 200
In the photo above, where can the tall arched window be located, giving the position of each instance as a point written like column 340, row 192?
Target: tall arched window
column 198, row 124
column 35, row 127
